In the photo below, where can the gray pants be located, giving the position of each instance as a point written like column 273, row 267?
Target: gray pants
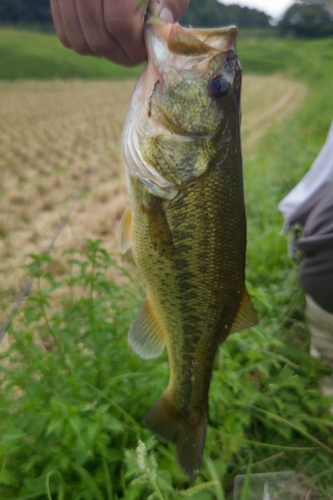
column 315, row 241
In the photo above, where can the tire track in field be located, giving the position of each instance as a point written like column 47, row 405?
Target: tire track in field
column 268, row 101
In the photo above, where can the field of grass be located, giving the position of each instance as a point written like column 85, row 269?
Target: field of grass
column 28, row 54
column 73, row 394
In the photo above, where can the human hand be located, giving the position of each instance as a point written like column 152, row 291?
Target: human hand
column 110, row 28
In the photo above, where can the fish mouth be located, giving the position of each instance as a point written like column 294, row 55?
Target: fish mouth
column 189, row 51
column 164, row 40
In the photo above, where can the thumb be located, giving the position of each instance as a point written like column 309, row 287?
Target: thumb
column 168, row 10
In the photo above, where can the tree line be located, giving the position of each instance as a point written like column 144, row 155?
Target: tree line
column 204, row 13
column 25, row 12
column 301, row 19
column 210, row 13
column 307, row 20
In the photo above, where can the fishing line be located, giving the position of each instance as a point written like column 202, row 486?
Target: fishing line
column 25, row 290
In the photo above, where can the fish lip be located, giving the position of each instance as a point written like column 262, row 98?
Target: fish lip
column 151, row 20
column 186, row 136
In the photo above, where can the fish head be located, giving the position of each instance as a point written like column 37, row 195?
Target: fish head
column 185, row 104
column 191, row 76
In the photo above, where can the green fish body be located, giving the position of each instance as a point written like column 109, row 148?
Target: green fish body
column 187, row 223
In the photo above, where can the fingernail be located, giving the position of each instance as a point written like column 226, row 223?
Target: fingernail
column 166, row 15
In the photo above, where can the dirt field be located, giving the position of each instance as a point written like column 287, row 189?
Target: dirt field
column 57, row 136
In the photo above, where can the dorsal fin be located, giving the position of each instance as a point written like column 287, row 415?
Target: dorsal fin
column 145, row 335
column 246, row 315
column 125, row 231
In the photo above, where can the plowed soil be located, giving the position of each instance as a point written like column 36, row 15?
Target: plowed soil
column 60, row 137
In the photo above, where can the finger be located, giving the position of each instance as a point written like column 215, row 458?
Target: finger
column 168, row 10
column 99, row 40
column 57, row 19
column 72, row 27
column 126, row 26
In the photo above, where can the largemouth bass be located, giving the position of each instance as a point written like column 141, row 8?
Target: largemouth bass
column 186, row 223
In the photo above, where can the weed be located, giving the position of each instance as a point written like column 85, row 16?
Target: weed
column 74, row 397
column 28, row 54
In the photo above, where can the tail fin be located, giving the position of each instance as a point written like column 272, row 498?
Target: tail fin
column 188, row 434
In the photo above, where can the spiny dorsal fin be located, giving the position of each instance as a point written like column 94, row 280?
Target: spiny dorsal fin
column 125, row 231
column 145, row 335
column 246, row 315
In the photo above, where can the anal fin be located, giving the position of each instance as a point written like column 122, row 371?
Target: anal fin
column 125, row 232
column 145, row 335
column 246, row 315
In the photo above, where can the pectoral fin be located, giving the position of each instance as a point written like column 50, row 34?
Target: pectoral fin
column 125, row 232
column 246, row 315
column 145, row 335
column 159, row 230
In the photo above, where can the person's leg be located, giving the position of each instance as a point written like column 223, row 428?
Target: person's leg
column 316, row 274
column 320, row 324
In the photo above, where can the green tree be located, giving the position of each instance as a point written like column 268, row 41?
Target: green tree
column 307, row 20
column 204, row 13
column 326, row 3
column 25, row 12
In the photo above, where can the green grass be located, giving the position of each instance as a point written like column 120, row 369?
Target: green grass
column 71, row 414
column 27, row 54
column 288, row 151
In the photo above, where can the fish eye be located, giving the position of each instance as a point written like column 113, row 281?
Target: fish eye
column 218, row 86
